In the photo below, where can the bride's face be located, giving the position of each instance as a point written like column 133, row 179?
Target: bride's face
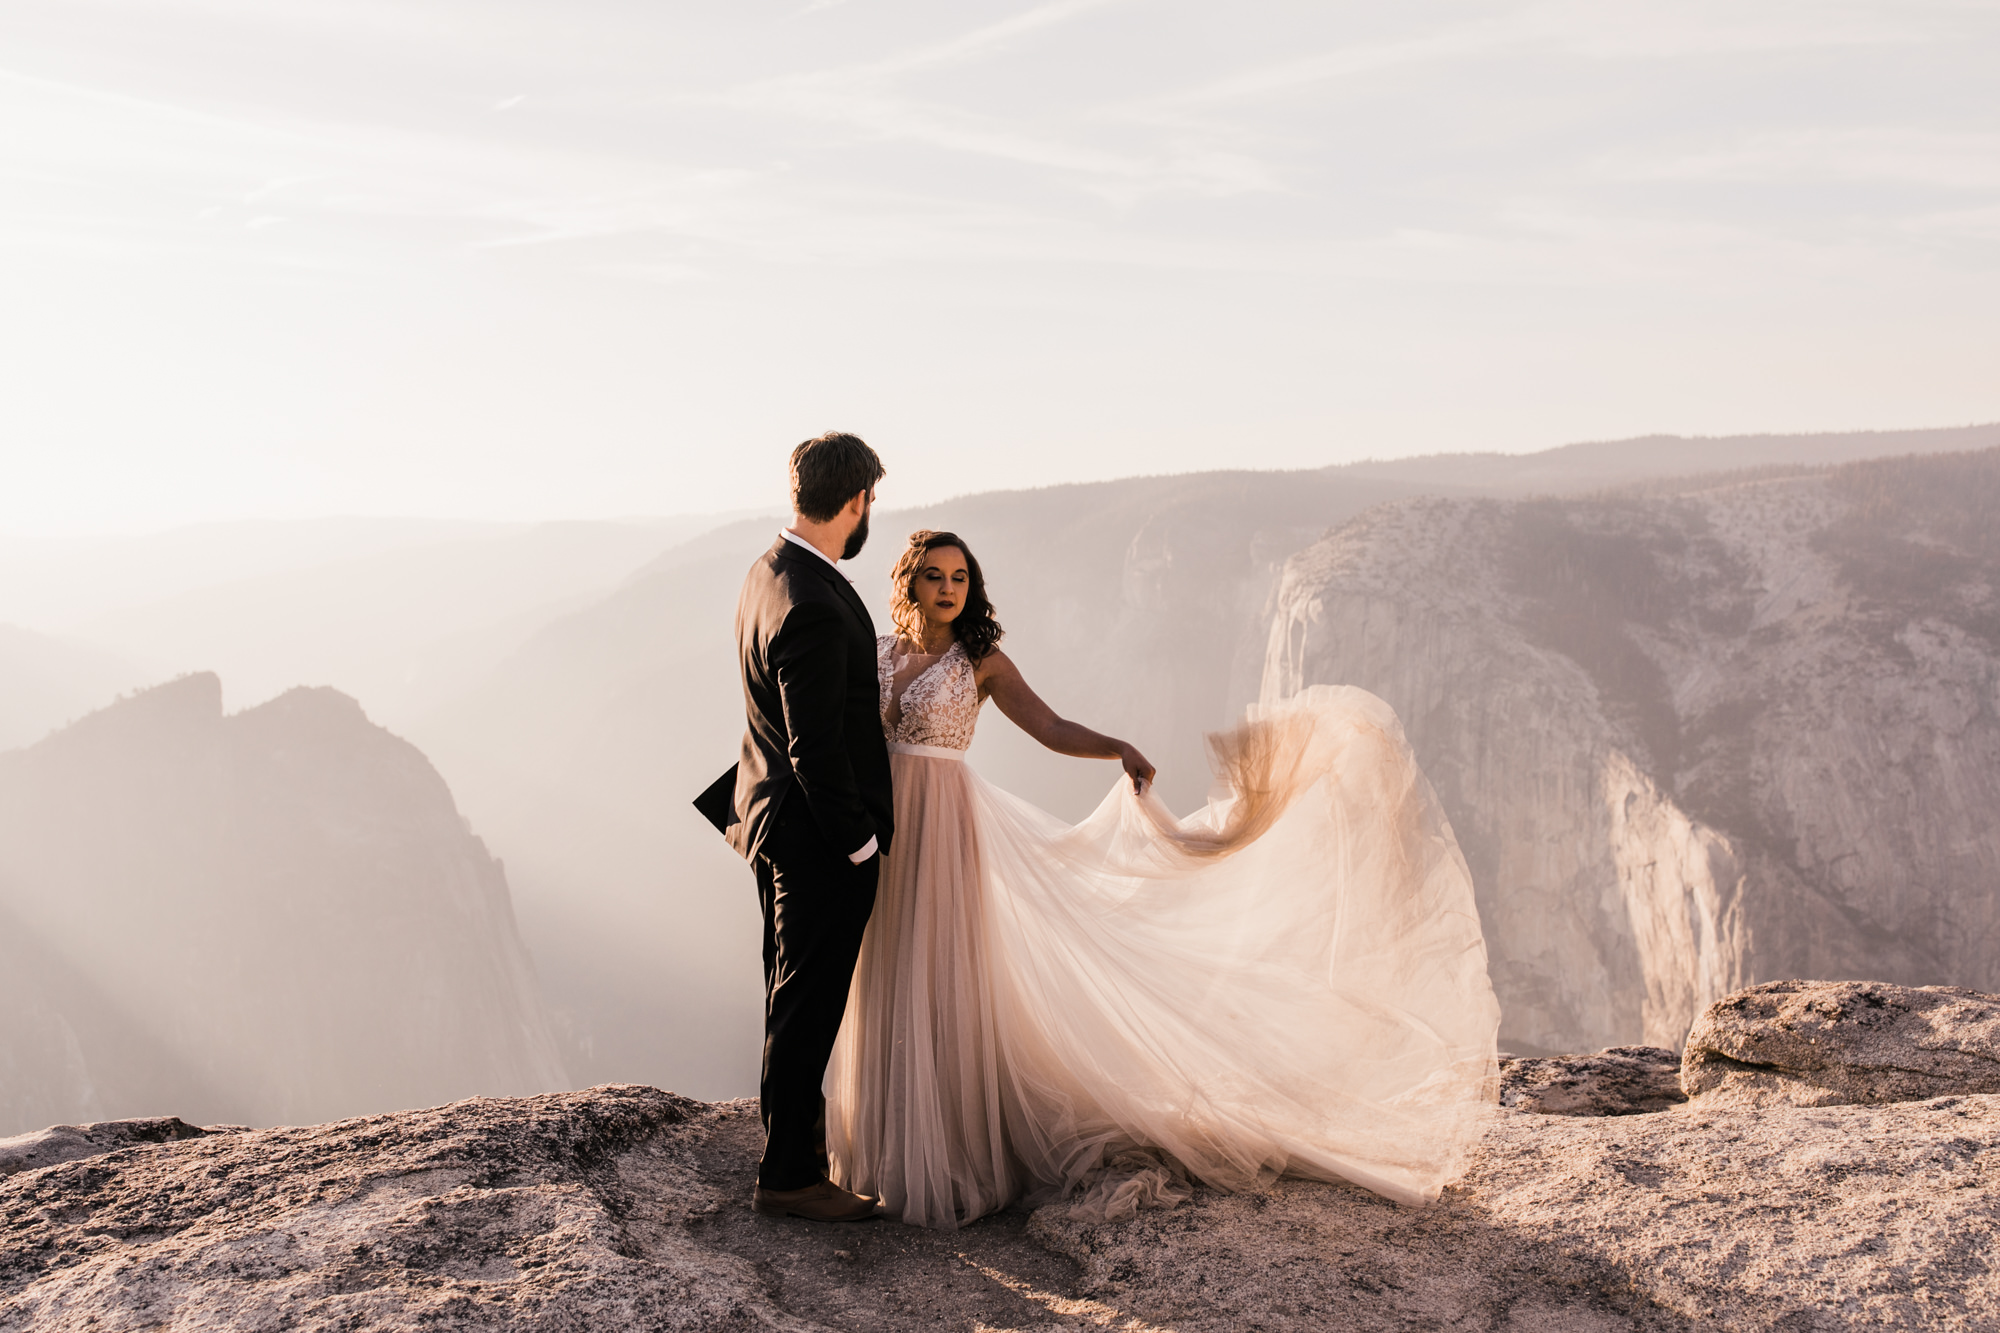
column 940, row 586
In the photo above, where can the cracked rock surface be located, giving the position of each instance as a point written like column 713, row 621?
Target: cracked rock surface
column 625, row 1208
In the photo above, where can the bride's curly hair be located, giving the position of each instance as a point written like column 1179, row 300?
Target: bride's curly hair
column 977, row 631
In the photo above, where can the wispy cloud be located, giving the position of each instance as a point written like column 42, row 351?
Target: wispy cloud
column 1656, row 31
column 1944, row 159
column 977, row 44
column 1459, row 42
column 872, row 100
column 1146, row 198
column 1087, row 162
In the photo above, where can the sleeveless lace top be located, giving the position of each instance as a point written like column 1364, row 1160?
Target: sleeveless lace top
column 939, row 707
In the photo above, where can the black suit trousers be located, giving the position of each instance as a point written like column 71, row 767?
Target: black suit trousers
column 816, row 905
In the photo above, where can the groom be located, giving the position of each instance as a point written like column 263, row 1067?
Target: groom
column 808, row 805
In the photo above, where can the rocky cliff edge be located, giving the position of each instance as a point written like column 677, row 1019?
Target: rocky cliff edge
column 624, row 1208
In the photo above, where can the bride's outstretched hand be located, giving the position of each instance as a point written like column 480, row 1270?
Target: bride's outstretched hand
column 1136, row 766
column 1001, row 681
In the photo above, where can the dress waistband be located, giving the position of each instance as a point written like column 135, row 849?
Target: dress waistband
column 927, row 751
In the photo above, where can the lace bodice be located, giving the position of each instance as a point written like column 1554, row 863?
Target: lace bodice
column 939, row 707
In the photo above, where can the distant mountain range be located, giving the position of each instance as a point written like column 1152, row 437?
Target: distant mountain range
column 402, row 613
column 272, row 917
column 1613, row 463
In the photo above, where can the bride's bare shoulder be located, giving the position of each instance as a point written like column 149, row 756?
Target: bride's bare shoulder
column 996, row 665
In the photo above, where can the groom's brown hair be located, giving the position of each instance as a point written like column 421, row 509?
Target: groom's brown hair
column 829, row 470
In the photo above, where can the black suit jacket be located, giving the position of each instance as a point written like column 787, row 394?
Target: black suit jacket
column 807, row 648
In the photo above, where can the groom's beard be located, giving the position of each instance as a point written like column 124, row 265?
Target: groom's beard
column 856, row 539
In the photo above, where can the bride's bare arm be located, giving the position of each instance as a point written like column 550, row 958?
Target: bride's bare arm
column 1002, row 681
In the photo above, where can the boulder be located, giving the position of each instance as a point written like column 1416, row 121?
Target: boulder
column 1624, row 1080
column 66, row 1143
column 1842, row 1043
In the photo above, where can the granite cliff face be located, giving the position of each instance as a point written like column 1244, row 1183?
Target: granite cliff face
column 276, row 916
column 1691, row 736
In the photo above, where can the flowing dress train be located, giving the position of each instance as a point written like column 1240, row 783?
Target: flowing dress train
column 1292, row 979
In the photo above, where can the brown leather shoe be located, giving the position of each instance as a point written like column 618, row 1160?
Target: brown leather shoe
column 821, row 1202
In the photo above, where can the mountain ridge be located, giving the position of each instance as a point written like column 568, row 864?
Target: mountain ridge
column 264, row 916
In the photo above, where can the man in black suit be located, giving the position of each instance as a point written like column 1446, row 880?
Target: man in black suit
column 809, row 804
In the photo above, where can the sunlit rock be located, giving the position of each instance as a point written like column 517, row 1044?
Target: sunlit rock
column 1840, row 1043
column 626, row 1210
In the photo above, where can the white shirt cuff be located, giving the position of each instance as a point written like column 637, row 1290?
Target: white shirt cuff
column 867, row 850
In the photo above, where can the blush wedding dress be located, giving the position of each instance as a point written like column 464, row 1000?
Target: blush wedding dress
column 1290, row 980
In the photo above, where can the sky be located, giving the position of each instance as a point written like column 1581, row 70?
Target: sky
column 503, row 260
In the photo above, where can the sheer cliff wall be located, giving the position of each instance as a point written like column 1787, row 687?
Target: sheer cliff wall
column 1691, row 739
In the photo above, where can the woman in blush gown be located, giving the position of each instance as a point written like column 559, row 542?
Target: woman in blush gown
column 1290, row 980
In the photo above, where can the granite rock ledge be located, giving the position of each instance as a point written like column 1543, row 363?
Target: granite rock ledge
column 624, row 1208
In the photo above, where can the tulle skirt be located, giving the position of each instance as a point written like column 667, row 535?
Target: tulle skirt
column 1291, row 980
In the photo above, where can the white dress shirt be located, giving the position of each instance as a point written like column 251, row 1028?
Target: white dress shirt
column 797, row 540
column 868, row 848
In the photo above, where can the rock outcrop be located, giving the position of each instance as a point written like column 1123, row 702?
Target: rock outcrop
column 625, row 1209
column 1625, row 1080
column 67, row 1143
column 1841, row 1043
column 271, row 917
column 1694, row 736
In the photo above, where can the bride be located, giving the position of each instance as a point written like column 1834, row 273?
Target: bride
column 1291, row 980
